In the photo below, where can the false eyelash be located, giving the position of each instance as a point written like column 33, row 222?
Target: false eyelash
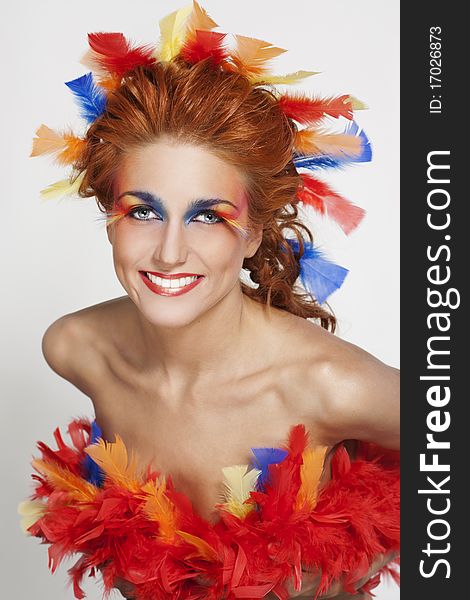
column 109, row 218
column 113, row 216
column 233, row 223
column 244, row 232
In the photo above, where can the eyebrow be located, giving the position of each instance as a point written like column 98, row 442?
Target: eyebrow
column 193, row 207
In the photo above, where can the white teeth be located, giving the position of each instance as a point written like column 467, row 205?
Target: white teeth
column 171, row 283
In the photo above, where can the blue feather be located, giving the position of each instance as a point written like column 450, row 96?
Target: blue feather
column 366, row 155
column 263, row 457
column 93, row 472
column 318, row 275
column 317, row 162
column 96, row 432
column 90, row 98
column 324, row 161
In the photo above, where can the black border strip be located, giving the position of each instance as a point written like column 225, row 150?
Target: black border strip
column 433, row 253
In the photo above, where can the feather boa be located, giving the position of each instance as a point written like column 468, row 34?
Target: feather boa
column 137, row 527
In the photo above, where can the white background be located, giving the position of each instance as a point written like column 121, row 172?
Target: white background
column 56, row 258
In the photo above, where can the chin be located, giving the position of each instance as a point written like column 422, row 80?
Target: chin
column 171, row 313
column 170, row 318
column 181, row 311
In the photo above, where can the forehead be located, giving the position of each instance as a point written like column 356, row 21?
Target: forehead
column 178, row 172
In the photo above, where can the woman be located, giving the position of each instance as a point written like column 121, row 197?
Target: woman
column 192, row 158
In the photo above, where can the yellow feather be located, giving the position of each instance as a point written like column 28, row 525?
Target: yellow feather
column 287, row 79
column 310, row 475
column 116, row 463
column 30, row 511
column 309, row 141
column 356, row 104
column 251, row 55
column 239, row 481
column 77, row 487
column 160, row 508
column 173, row 29
column 65, row 187
column 204, row 550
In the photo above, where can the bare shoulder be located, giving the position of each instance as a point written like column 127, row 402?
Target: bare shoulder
column 356, row 394
column 75, row 345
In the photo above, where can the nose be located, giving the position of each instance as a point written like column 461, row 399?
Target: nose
column 171, row 248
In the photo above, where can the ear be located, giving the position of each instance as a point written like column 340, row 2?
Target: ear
column 254, row 242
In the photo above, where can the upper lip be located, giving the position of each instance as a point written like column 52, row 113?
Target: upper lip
column 173, row 275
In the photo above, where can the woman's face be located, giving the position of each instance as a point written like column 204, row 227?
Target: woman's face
column 174, row 253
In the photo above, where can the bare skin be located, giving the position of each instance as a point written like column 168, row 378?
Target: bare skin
column 192, row 382
column 194, row 434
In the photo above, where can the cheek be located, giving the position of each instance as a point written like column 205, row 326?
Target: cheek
column 129, row 245
column 223, row 257
column 216, row 244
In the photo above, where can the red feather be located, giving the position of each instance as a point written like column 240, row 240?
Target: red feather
column 43, row 487
column 77, row 430
column 239, row 567
column 298, row 441
column 355, row 519
column 205, row 44
column 252, row 591
column 284, row 479
column 341, row 463
column 309, row 110
column 76, row 573
column 324, row 200
column 370, row 585
column 116, row 55
column 65, row 456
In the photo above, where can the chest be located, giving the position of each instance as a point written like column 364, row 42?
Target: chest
column 192, row 438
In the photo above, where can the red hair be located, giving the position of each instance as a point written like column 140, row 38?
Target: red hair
column 241, row 123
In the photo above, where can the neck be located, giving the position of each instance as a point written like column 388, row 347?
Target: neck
column 223, row 343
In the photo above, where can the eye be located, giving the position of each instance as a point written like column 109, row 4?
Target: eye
column 208, row 217
column 141, row 213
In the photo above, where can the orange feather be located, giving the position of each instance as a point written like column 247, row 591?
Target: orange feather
column 158, row 507
column 72, row 151
column 77, row 487
column 109, row 82
column 310, row 474
column 114, row 460
column 310, row 141
column 199, row 19
column 251, row 55
column 47, row 141
column 204, row 550
column 68, row 146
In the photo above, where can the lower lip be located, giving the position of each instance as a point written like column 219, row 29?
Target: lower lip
column 158, row 289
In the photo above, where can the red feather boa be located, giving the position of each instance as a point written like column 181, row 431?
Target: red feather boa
column 356, row 518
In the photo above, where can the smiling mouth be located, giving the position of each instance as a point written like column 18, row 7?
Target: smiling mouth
column 170, row 285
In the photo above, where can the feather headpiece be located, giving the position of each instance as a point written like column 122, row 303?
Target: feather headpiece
column 188, row 34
